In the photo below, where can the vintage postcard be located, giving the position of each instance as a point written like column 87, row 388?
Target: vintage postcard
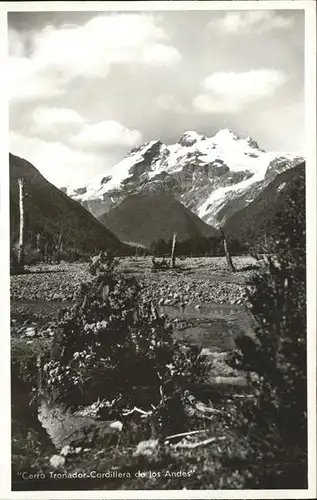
column 158, row 212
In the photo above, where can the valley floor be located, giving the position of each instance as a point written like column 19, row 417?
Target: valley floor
column 193, row 282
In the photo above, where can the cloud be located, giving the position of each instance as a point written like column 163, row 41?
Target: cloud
column 248, row 85
column 168, row 102
column 255, row 22
column 45, row 62
column 122, row 67
column 56, row 122
column 64, row 146
column 205, row 103
column 16, row 43
column 59, row 163
column 231, row 92
column 159, row 54
column 31, row 81
column 106, row 135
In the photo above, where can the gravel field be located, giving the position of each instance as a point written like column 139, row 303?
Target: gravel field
column 203, row 280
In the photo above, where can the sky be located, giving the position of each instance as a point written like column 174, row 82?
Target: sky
column 87, row 87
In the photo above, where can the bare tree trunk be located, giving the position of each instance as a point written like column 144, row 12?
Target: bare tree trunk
column 59, row 247
column 173, row 251
column 38, row 238
column 21, row 236
column 39, row 365
column 227, row 254
column 59, row 244
column 46, row 252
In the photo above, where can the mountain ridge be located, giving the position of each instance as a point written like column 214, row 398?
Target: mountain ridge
column 50, row 212
column 256, row 219
column 149, row 217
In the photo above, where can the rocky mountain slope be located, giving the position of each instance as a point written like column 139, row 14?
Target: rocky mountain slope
column 253, row 221
column 49, row 211
column 148, row 217
column 213, row 177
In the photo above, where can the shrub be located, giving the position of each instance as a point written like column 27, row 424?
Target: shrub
column 275, row 421
column 24, row 363
column 114, row 347
column 31, row 255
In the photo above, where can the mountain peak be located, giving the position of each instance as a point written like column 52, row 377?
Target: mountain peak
column 144, row 147
column 190, row 137
column 224, row 134
column 252, row 143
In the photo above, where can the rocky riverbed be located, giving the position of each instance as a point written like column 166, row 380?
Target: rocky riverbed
column 206, row 303
column 194, row 282
column 171, row 289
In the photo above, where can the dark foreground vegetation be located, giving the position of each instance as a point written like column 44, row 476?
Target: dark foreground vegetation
column 150, row 424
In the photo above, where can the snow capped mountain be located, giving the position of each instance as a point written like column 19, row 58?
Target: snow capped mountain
column 214, row 177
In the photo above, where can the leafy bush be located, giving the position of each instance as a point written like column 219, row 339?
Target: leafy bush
column 113, row 346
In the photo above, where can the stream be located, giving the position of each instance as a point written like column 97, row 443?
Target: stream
column 212, row 326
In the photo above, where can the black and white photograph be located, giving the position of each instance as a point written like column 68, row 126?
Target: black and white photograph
column 160, row 225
